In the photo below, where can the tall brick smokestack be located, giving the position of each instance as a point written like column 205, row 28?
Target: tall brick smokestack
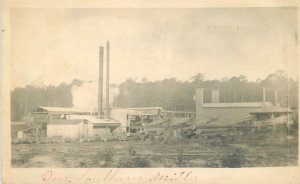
column 100, row 87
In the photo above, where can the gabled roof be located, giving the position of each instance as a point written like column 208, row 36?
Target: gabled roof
column 62, row 110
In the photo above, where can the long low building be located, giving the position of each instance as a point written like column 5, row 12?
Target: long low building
column 71, row 122
column 229, row 113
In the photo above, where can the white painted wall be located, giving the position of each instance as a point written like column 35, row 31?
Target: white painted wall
column 64, row 130
column 120, row 115
column 70, row 130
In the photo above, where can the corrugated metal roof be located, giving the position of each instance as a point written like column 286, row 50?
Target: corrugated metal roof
column 64, row 110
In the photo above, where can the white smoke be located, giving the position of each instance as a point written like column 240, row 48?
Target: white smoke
column 86, row 95
column 113, row 94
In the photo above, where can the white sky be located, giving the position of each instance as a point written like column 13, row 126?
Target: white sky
column 58, row 45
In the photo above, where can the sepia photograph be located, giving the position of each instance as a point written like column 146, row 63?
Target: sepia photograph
column 153, row 87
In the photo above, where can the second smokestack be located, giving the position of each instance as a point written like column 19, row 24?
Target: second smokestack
column 107, row 80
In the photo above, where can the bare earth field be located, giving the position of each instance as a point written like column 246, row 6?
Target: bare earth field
column 251, row 150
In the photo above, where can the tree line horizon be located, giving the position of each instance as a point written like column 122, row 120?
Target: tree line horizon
column 170, row 94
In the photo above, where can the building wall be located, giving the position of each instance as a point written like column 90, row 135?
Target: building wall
column 120, row 115
column 64, row 130
column 86, row 129
column 70, row 130
column 91, row 130
column 222, row 112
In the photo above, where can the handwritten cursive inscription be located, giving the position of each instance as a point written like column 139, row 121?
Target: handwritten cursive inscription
column 116, row 176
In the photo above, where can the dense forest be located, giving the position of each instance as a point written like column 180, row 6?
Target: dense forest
column 171, row 94
column 24, row 100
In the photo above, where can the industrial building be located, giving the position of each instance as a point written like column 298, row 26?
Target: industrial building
column 76, row 123
column 68, row 123
column 73, row 122
column 130, row 118
column 232, row 113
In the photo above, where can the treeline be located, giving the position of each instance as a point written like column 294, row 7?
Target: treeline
column 173, row 94
column 24, row 100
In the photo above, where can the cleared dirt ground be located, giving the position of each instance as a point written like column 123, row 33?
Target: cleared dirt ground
column 260, row 149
